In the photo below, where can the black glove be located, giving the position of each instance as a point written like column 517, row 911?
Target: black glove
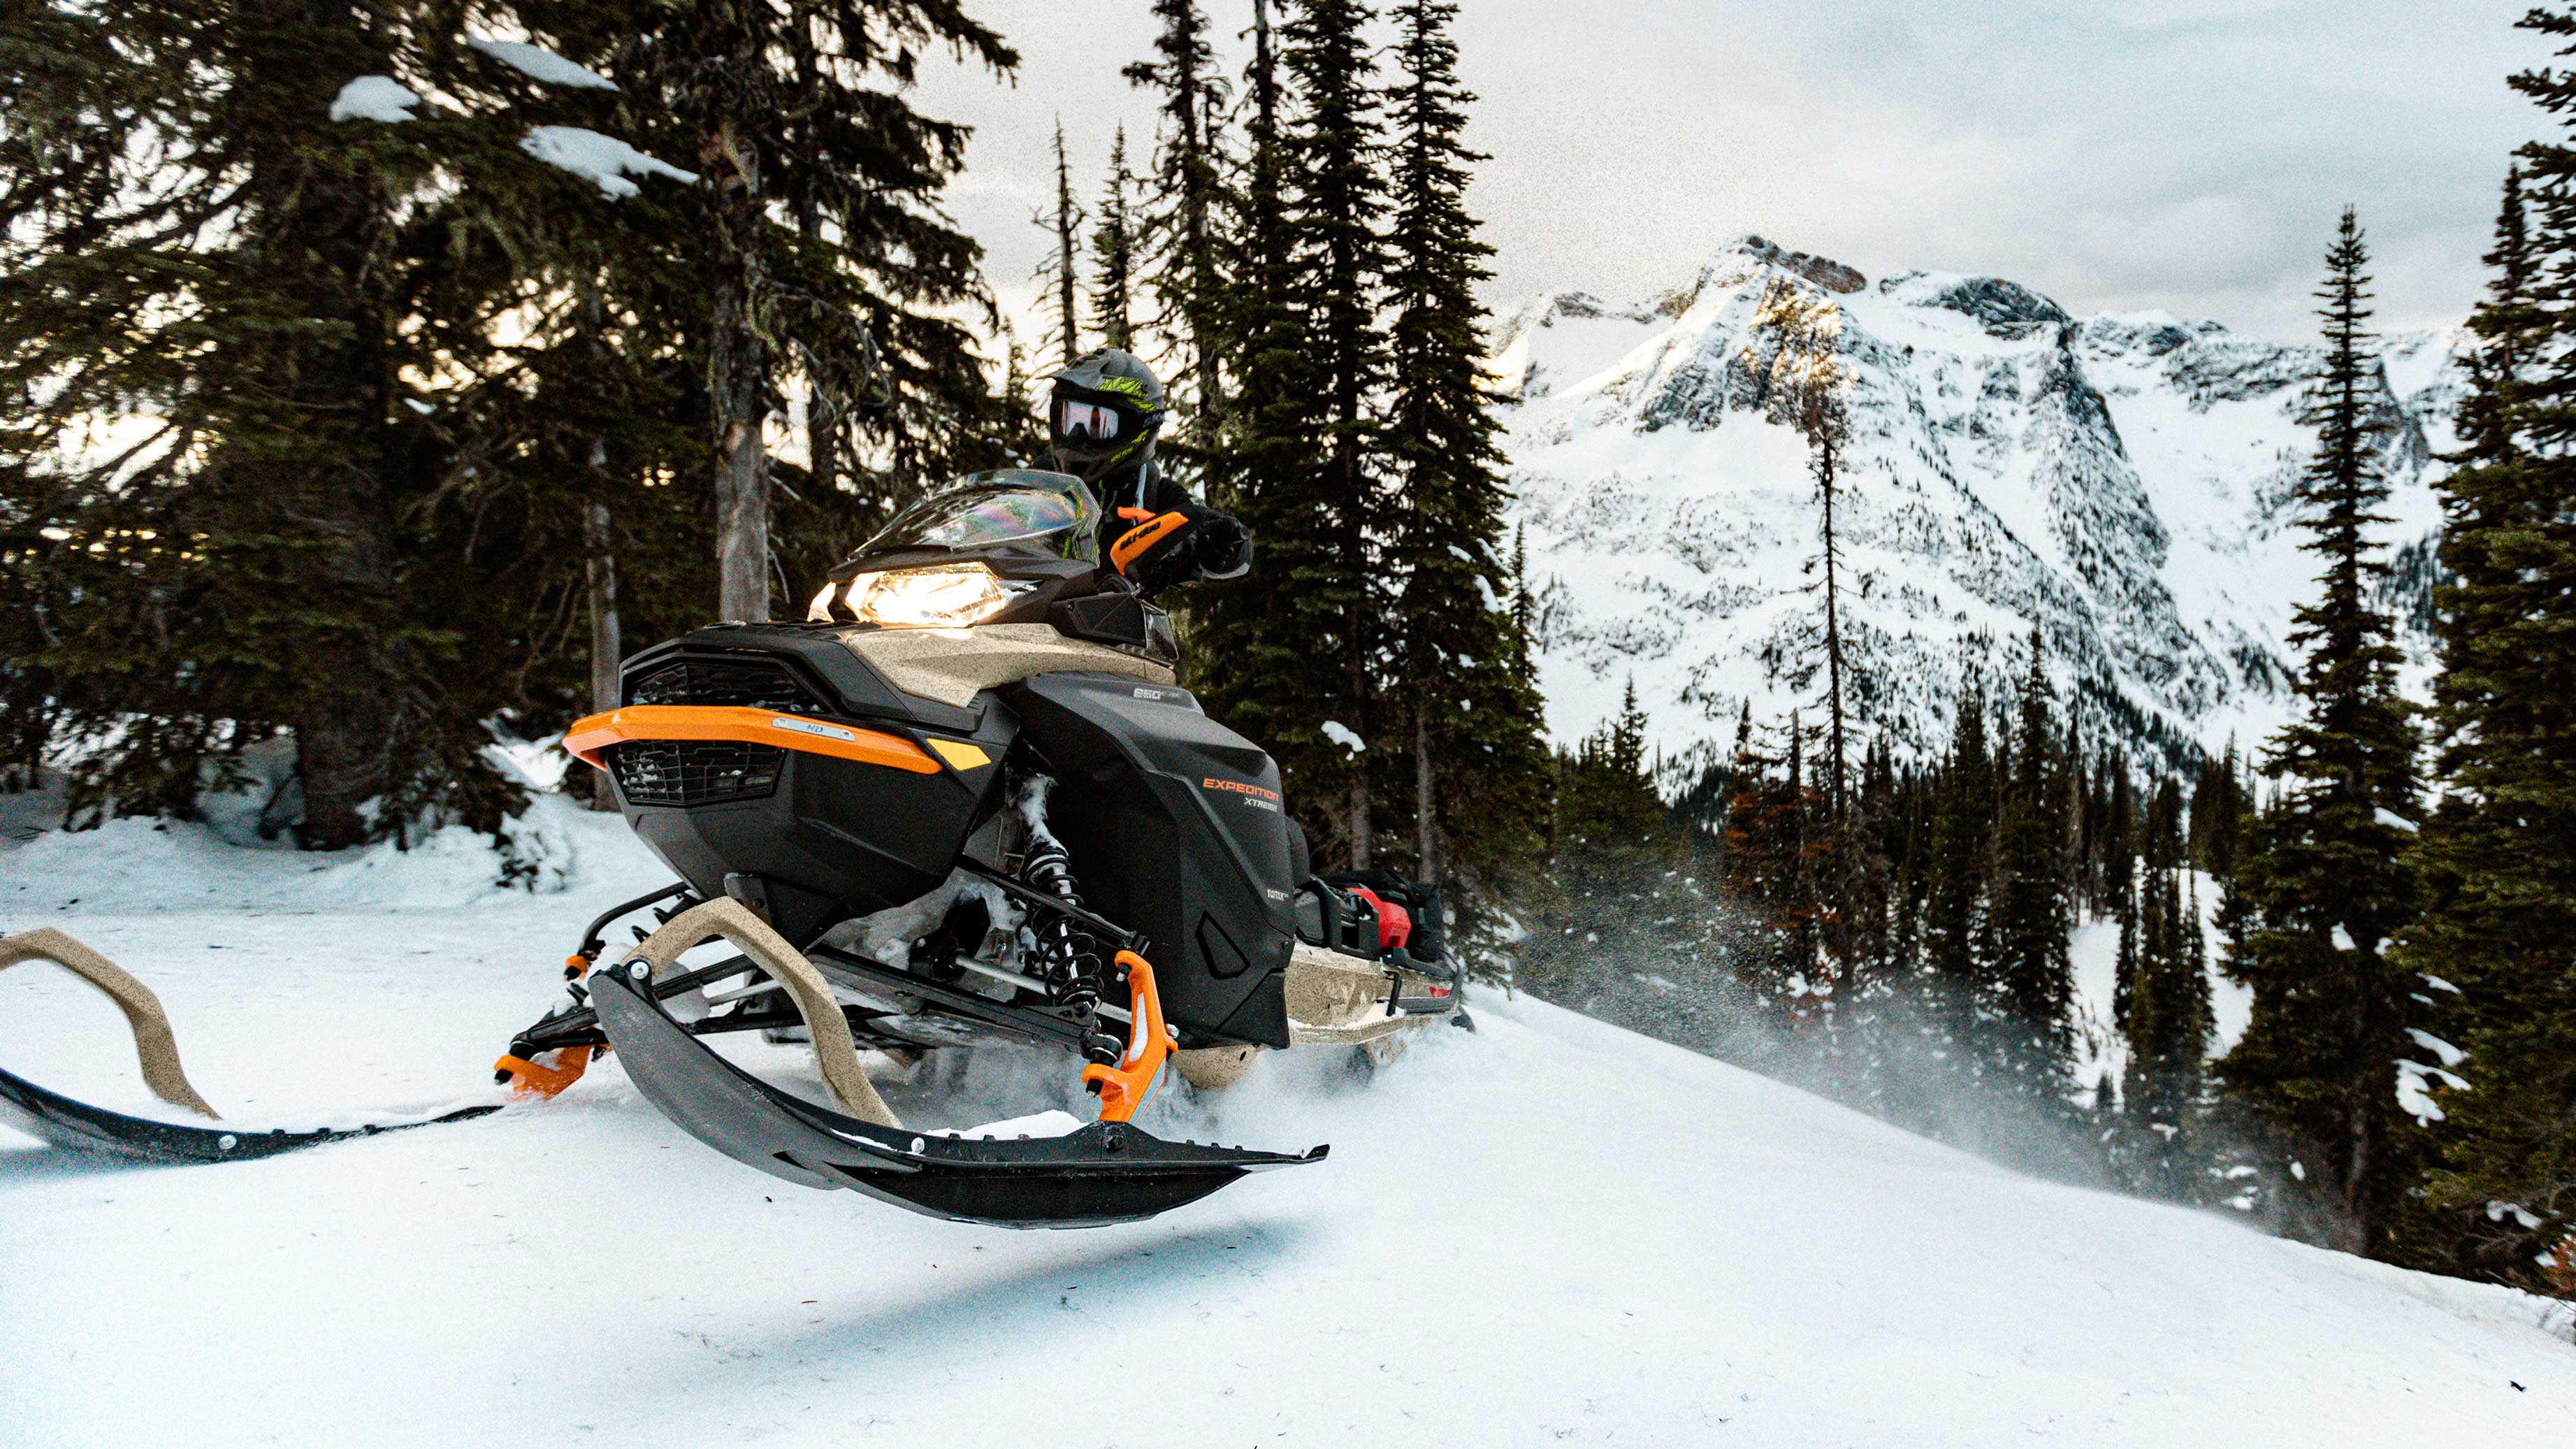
column 1221, row 546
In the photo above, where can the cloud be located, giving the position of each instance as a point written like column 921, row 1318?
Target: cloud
column 2184, row 154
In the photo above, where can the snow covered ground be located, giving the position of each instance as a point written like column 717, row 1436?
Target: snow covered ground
column 1550, row 1231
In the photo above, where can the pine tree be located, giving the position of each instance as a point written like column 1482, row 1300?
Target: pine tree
column 1059, row 267
column 1113, row 254
column 2324, row 877
column 1957, row 902
column 407, row 361
column 2030, row 991
column 1263, row 468
column 2166, row 1017
column 1185, row 197
column 211, row 243
column 1804, row 384
column 2498, row 855
column 801, row 111
column 1478, row 764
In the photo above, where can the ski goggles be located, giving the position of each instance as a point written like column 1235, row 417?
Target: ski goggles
column 1087, row 420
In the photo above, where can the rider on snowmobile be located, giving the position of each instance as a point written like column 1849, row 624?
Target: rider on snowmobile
column 1102, row 420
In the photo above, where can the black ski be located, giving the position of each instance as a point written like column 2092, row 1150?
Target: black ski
column 1108, row 1172
column 78, row 1126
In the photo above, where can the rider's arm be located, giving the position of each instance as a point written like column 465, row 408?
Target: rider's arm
column 1175, row 539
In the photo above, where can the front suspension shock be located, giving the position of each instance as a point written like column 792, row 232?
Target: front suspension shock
column 1067, row 957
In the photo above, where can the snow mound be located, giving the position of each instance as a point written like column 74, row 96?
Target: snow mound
column 374, row 98
column 604, row 161
column 140, row 865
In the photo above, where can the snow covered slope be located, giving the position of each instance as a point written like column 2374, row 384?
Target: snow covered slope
column 2123, row 482
column 1547, row 1232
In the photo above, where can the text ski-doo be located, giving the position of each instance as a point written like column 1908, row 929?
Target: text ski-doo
column 966, row 802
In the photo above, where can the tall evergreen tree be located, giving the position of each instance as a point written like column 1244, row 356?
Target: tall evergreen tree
column 1338, row 192
column 2325, row 876
column 2029, row 992
column 1263, row 469
column 1113, row 254
column 2499, row 854
column 1805, row 384
column 1184, row 202
column 228, row 267
column 1060, row 268
column 1957, row 902
column 1479, row 767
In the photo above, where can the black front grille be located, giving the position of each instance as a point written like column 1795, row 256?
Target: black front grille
column 752, row 683
column 694, row 772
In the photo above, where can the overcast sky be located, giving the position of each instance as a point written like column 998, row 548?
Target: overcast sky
column 2117, row 154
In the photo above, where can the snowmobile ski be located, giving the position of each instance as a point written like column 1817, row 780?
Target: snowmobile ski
column 1107, row 1172
column 67, row 1123
column 77, row 1126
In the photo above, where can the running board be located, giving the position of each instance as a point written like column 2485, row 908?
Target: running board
column 1108, row 1172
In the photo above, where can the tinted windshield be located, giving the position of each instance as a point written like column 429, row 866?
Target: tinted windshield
column 1018, row 510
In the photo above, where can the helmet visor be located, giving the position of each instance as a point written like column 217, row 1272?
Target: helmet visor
column 1082, row 422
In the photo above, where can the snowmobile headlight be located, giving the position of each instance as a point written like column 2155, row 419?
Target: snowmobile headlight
column 948, row 596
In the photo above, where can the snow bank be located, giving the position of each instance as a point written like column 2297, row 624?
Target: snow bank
column 136, row 865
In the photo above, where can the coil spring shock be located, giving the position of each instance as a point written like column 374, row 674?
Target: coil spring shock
column 1068, row 959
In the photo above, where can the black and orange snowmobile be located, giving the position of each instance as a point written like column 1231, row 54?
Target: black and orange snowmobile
column 965, row 801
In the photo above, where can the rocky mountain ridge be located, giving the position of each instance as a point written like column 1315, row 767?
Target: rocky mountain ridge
column 2123, row 482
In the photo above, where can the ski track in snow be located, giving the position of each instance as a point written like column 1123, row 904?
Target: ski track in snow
column 1551, row 1231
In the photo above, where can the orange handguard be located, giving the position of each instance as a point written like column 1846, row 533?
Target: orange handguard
column 1136, row 542
column 1122, row 1088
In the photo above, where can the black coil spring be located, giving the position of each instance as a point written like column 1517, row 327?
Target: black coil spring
column 1067, row 957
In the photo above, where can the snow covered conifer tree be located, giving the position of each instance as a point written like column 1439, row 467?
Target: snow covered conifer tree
column 242, row 238
column 2325, row 877
column 2498, row 855
column 2030, row 990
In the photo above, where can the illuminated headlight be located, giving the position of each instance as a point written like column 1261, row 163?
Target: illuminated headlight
column 950, row 596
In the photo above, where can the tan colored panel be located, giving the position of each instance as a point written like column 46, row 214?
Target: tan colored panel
column 953, row 665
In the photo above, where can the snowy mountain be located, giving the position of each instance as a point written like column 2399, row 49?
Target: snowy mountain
column 2123, row 482
column 1546, row 1232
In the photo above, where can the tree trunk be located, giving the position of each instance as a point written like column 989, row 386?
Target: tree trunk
column 605, row 649
column 738, row 358
column 738, row 397
column 1426, row 807
column 1064, row 218
column 321, row 230
column 1827, row 462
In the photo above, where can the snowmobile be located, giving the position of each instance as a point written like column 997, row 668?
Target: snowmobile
column 964, row 802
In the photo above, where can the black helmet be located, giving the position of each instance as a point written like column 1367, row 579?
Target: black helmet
column 1105, row 411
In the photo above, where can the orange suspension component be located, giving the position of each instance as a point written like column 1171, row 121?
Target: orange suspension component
column 1122, row 1088
column 532, row 1079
